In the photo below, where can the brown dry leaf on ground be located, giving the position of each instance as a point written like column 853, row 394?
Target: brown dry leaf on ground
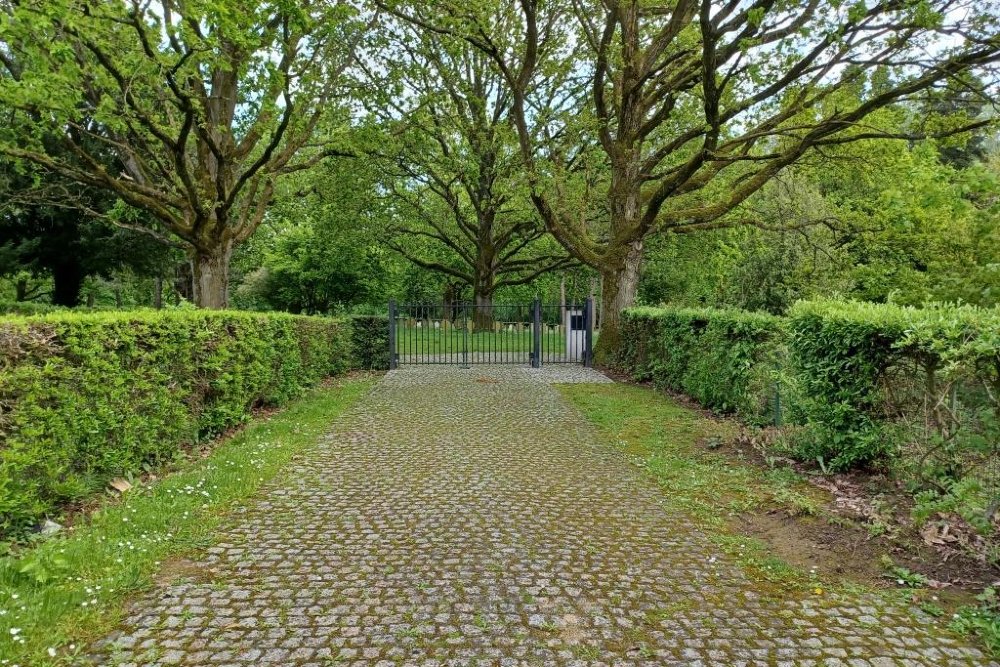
column 121, row 485
column 848, row 497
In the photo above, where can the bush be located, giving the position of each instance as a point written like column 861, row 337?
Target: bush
column 866, row 381
column 28, row 308
column 725, row 359
column 875, row 376
column 370, row 340
column 840, row 354
column 86, row 397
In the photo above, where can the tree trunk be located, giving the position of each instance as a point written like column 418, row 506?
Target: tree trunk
column 621, row 282
column 562, row 298
column 67, row 279
column 211, row 278
column 482, row 317
column 158, row 292
column 482, row 295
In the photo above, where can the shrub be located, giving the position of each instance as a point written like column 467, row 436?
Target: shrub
column 27, row 308
column 874, row 376
column 725, row 359
column 85, row 397
column 370, row 340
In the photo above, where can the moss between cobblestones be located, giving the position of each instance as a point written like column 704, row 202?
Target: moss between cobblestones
column 71, row 589
column 666, row 439
column 471, row 516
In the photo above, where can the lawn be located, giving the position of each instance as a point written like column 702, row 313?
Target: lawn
column 424, row 340
column 71, row 589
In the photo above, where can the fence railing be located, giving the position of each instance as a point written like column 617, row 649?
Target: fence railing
column 467, row 333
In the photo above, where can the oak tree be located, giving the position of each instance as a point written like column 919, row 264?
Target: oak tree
column 204, row 103
column 452, row 168
column 692, row 106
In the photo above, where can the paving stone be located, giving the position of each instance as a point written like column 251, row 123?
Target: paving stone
column 459, row 517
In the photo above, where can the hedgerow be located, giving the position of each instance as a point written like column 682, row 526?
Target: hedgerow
column 86, row 397
column 867, row 382
column 370, row 340
column 725, row 359
column 875, row 378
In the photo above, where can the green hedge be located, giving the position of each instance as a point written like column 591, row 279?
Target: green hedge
column 28, row 308
column 725, row 359
column 862, row 379
column 862, row 367
column 370, row 340
column 86, row 397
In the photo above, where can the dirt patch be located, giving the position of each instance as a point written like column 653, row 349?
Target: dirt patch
column 179, row 570
column 865, row 517
column 811, row 542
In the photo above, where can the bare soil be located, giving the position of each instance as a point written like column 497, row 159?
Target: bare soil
column 866, row 516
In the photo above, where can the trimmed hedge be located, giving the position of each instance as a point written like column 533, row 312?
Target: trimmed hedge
column 370, row 340
column 855, row 363
column 725, row 359
column 857, row 376
column 86, row 397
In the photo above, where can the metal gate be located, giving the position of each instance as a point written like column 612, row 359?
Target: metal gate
column 465, row 334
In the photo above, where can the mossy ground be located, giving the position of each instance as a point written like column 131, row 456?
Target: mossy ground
column 59, row 595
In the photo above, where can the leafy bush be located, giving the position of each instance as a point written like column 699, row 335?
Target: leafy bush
column 27, row 308
column 370, row 340
column 840, row 354
column 725, row 359
column 85, row 397
column 876, row 376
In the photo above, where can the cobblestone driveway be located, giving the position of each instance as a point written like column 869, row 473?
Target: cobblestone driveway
column 461, row 517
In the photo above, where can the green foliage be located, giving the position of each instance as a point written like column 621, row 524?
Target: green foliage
column 982, row 620
column 90, row 396
column 840, row 353
column 27, row 308
column 857, row 363
column 866, row 380
column 370, row 342
column 876, row 221
column 723, row 358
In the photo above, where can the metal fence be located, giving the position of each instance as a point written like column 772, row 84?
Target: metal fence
column 465, row 333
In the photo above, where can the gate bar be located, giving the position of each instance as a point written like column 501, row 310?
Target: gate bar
column 536, row 334
column 588, row 323
column 393, row 361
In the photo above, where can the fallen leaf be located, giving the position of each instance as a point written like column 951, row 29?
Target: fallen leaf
column 121, row 485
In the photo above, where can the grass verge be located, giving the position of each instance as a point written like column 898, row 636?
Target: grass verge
column 70, row 589
column 674, row 445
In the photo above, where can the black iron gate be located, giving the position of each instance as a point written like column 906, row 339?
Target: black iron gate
column 465, row 334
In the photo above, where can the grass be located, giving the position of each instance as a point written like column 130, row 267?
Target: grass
column 667, row 440
column 59, row 595
column 424, row 341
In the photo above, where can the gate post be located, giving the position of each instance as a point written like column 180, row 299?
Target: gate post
column 393, row 363
column 588, row 322
column 536, row 334
column 465, row 335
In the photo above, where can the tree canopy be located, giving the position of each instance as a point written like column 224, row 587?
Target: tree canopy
column 336, row 153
